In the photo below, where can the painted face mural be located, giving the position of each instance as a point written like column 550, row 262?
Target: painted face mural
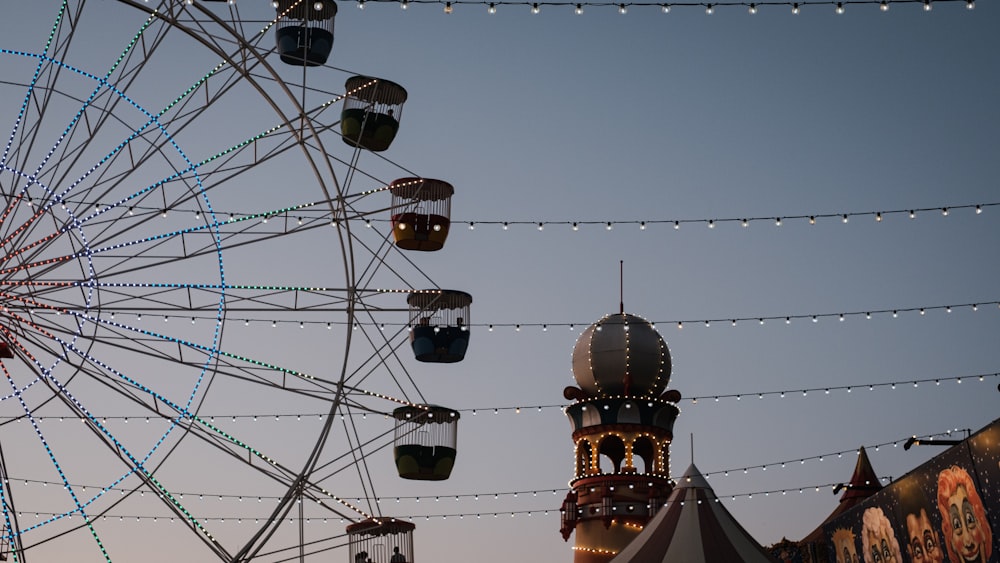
column 966, row 530
column 922, row 541
column 845, row 546
column 877, row 538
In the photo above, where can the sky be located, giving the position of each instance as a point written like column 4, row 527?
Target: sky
column 195, row 345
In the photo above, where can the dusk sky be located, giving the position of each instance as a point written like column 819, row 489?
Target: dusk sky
column 685, row 121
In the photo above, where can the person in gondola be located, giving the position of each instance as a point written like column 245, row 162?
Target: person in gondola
column 397, row 557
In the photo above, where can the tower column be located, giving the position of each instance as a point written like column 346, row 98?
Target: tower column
column 620, row 410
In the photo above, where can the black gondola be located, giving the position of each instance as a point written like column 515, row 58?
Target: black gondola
column 381, row 540
column 371, row 114
column 425, row 441
column 304, row 31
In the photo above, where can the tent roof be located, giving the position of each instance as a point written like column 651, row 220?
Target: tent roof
column 863, row 484
column 693, row 527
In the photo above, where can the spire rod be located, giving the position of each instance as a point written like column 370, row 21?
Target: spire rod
column 621, row 286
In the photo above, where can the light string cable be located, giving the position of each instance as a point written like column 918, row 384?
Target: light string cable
column 776, row 220
column 498, row 495
column 544, row 326
column 709, row 8
column 315, row 211
column 834, row 6
column 519, row 409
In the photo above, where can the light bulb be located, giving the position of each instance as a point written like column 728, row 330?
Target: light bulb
column 884, row 6
column 927, row 5
column 753, row 9
column 404, row 4
column 579, row 9
column 361, row 4
column 709, row 9
column 318, row 6
column 840, row 8
column 534, row 8
column 665, row 8
column 795, row 8
column 447, row 8
column 622, row 9
column 970, row 4
column 492, row 9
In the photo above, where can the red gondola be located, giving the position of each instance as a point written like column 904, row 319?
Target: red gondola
column 421, row 212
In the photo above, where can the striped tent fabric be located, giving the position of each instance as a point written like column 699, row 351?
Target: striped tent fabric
column 693, row 527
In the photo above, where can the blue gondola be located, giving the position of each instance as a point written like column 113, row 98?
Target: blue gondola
column 439, row 329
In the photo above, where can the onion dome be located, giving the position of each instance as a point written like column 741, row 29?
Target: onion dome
column 621, row 354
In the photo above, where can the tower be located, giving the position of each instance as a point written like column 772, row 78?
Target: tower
column 622, row 419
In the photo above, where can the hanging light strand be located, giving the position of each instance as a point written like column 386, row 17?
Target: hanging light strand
column 834, row 455
column 833, row 7
column 518, row 410
column 316, row 211
column 438, row 498
column 778, row 220
column 546, row 326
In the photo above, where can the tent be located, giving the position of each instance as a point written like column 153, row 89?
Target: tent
column 693, row 527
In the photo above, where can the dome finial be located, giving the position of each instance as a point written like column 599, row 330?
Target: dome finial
column 621, row 286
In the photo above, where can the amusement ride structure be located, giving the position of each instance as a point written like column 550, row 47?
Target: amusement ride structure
column 179, row 178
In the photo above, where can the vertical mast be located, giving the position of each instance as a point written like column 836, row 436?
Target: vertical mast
column 621, row 286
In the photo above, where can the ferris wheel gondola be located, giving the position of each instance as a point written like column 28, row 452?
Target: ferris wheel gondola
column 304, row 31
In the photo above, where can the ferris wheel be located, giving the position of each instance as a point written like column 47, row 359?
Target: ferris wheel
column 194, row 239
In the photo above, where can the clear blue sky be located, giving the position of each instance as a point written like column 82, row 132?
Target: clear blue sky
column 555, row 118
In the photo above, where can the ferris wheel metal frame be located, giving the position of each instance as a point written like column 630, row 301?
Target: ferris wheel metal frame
column 81, row 246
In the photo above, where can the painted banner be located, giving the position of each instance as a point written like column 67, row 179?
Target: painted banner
column 947, row 509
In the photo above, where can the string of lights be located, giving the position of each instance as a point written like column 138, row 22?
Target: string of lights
column 308, row 214
column 821, row 488
column 545, row 326
column 533, row 493
column 711, row 223
column 836, row 7
column 517, row 410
